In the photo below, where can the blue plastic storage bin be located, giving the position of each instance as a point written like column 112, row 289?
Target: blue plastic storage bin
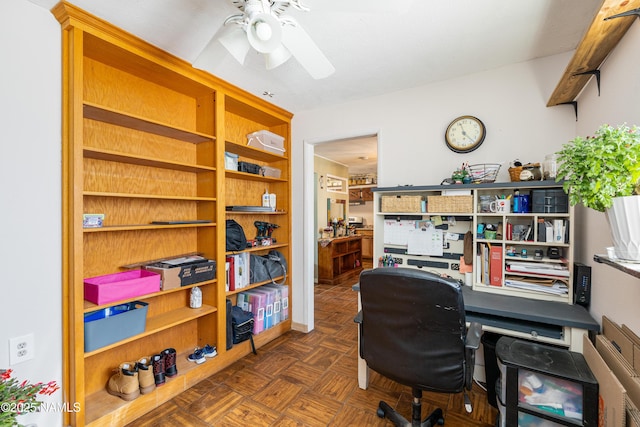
column 113, row 324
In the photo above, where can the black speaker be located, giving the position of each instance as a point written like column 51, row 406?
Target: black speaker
column 581, row 284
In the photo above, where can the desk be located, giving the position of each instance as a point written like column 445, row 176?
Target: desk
column 545, row 321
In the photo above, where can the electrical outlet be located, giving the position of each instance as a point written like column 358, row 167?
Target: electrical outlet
column 21, row 349
column 455, row 266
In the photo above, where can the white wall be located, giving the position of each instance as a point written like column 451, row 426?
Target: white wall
column 614, row 293
column 512, row 103
column 30, row 182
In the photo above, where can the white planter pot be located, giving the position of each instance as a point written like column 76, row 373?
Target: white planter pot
column 624, row 223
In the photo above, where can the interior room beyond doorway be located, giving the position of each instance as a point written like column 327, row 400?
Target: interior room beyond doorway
column 345, row 171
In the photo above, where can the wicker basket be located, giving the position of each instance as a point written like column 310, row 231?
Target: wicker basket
column 514, row 173
column 450, row 204
column 484, row 172
column 401, row 203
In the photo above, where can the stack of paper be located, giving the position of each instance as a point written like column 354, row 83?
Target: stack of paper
column 555, row 287
column 538, row 268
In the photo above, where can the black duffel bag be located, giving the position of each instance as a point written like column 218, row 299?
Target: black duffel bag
column 268, row 267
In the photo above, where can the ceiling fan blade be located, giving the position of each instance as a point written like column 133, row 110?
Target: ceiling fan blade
column 236, row 43
column 306, row 52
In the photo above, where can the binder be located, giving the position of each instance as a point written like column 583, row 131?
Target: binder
column 231, row 271
column 495, row 267
column 241, row 270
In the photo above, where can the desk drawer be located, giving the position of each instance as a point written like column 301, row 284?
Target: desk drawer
column 531, row 329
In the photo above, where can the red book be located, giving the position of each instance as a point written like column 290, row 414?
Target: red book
column 495, row 266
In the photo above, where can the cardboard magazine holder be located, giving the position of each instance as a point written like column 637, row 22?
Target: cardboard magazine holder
column 611, row 399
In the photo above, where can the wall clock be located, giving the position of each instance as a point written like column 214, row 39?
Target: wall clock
column 464, row 134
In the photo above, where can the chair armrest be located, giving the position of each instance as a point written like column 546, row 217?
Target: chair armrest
column 358, row 318
column 473, row 335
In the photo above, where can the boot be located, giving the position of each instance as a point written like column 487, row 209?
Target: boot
column 158, row 369
column 145, row 375
column 170, row 368
column 124, row 383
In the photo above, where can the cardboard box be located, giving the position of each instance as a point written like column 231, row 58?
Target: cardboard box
column 618, row 339
column 620, row 367
column 611, row 399
column 635, row 339
column 633, row 415
column 183, row 271
column 113, row 324
column 120, row 286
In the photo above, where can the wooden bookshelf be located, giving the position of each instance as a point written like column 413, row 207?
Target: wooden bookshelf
column 144, row 141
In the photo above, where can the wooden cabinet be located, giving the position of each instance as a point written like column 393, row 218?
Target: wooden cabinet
column 144, row 140
column 360, row 194
column 367, row 242
column 339, row 259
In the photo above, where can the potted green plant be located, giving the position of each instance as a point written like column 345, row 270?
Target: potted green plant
column 602, row 172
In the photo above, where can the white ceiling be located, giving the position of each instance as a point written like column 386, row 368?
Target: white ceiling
column 376, row 46
column 360, row 155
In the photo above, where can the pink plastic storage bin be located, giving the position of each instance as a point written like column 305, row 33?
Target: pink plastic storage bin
column 120, row 286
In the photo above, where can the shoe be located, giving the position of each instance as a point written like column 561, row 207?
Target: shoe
column 145, row 375
column 170, row 368
column 124, row 383
column 209, row 351
column 197, row 356
column 157, row 361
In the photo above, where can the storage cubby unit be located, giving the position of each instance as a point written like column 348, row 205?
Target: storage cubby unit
column 541, row 385
column 144, row 140
column 339, row 259
column 512, row 253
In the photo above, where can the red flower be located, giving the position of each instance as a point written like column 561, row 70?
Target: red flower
column 5, row 374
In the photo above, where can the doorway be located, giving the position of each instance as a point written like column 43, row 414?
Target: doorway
column 360, row 153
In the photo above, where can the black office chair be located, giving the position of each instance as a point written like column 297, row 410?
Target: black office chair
column 413, row 331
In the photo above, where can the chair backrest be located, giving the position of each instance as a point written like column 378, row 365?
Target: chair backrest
column 413, row 328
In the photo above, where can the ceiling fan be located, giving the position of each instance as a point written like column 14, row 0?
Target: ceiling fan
column 264, row 26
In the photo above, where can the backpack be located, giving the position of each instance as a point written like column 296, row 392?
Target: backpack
column 236, row 239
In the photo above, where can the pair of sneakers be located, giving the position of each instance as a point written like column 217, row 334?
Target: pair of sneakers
column 200, row 355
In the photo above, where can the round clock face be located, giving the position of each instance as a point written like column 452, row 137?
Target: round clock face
column 465, row 134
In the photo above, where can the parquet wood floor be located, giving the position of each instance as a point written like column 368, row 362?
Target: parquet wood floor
column 307, row 380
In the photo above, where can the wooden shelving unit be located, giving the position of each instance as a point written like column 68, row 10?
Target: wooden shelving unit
column 339, row 260
column 144, row 140
column 471, row 219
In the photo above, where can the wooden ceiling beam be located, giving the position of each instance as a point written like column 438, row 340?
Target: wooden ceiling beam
column 599, row 40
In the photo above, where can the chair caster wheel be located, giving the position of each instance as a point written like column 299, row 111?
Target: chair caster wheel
column 380, row 413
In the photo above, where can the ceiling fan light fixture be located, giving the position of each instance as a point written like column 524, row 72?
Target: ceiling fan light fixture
column 264, row 33
column 277, row 57
column 237, row 44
